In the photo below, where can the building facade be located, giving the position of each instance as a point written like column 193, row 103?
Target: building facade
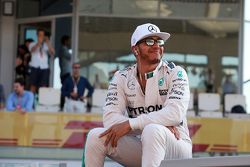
column 205, row 35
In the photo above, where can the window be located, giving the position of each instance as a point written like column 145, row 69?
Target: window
column 227, row 61
column 174, row 57
column 196, row 59
column 30, row 33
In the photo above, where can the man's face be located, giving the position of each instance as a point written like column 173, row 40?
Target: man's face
column 18, row 88
column 76, row 70
column 40, row 36
column 150, row 49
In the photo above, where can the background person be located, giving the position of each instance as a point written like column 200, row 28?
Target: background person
column 65, row 58
column 22, row 62
column 39, row 64
column 229, row 86
column 20, row 100
column 64, row 62
column 73, row 89
column 209, row 81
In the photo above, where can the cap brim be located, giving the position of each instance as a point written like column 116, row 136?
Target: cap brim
column 162, row 35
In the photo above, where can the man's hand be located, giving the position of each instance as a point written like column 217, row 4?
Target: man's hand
column 46, row 39
column 175, row 131
column 115, row 132
column 51, row 49
column 21, row 111
column 73, row 95
column 83, row 98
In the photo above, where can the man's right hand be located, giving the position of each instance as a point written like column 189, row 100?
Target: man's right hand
column 115, row 132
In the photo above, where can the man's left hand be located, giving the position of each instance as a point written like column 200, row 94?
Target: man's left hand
column 83, row 98
column 115, row 132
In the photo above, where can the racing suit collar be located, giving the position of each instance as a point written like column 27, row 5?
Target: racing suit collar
column 153, row 73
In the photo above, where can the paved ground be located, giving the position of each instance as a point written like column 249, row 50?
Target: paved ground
column 43, row 157
column 47, row 163
column 54, row 157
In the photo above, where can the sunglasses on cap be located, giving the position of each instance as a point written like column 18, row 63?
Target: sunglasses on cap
column 151, row 42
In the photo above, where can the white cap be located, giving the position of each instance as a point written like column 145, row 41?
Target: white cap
column 147, row 30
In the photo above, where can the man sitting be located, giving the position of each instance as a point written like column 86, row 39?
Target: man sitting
column 20, row 100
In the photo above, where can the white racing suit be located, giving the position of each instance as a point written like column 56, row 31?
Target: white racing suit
column 164, row 103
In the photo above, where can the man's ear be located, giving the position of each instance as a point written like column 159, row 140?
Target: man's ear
column 135, row 50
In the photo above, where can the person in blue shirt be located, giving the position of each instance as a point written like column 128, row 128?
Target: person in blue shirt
column 74, row 86
column 20, row 100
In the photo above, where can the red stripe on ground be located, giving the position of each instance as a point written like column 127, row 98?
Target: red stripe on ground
column 193, row 128
column 200, row 147
column 76, row 140
column 224, row 145
column 8, row 144
column 47, row 140
column 7, row 139
column 223, row 149
column 45, row 144
column 83, row 124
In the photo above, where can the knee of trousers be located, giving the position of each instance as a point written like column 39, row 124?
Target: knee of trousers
column 93, row 136
column 155, row 132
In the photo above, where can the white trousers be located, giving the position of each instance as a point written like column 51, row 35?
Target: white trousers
column 156, row 143
column 74, row 106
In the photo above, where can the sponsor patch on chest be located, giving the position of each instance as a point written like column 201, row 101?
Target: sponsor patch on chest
column 135, row 111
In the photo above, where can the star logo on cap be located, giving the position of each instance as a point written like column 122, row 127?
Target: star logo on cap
column 152, row 29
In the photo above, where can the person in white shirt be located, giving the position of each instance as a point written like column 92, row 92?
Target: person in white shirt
column 39, row 65
column 145, row 112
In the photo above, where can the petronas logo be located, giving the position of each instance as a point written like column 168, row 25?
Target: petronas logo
column 179, row 74
column 160, row 82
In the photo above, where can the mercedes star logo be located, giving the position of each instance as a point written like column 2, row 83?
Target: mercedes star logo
column 131, row 85
column 152, row 29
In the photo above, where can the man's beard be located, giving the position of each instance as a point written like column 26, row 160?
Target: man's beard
column 155, row 61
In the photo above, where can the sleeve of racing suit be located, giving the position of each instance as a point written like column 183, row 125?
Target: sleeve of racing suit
column 175, row 106
column 115, row 107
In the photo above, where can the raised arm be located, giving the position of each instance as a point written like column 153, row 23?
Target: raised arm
column 51, row 50
column 34, row 46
